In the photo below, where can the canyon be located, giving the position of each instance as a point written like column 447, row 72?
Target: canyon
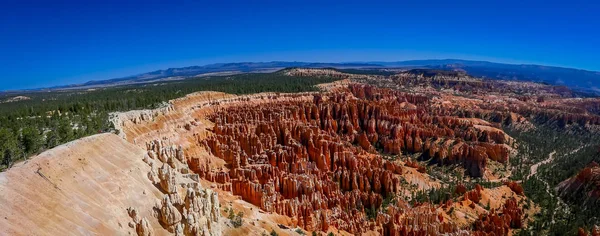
column 319, row 159
column 350, row 159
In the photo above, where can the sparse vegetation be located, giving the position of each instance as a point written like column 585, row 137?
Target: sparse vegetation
column 372, row 212
column 574, row 150
column 236, row 219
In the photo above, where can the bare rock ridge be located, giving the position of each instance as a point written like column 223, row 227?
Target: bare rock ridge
column 104, row 185
column 82, row 187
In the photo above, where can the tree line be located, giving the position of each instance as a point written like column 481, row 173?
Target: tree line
column 52, row 118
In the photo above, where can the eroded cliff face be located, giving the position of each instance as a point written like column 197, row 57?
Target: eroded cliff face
column 317, row 161
column 510, row 102
column 500, row 223
column 583, row 188
column 322, row 160
column 104, row 185
column 186, row 207
column 348, row 160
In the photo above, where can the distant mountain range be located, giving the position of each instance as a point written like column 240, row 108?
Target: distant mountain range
column 574, row 78
column 211, row 69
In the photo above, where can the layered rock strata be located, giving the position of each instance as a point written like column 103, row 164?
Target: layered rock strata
column 318, row 161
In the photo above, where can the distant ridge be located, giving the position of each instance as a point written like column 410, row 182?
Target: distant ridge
column 240, row 67
column 574, row 78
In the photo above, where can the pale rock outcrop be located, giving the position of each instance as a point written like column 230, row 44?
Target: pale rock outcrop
column 142, row 225
column 167, row 178
column 169, row 214
column 195, row 213
column 201, row 212
column 153, row 175
column 179, row 230
column 143, row 228
column 133, row 214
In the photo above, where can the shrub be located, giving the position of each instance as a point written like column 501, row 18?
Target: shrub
column 237, row 220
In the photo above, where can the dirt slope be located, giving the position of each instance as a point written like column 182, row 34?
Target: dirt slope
column 80, row 188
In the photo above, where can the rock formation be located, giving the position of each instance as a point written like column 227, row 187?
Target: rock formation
column 197, row 211
column 333, row 159
column 499, row 223
column 337, row 159
column 595, row 231
column 515, row 187
column 403, row 220
column 316, row 160
column 143, row 228
column 583, row 188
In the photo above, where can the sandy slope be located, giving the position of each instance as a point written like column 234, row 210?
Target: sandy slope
column 80, row 188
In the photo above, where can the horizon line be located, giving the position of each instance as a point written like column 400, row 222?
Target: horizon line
column 373, row 62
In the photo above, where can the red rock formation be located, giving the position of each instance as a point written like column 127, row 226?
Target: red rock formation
column 403, row 219
column 583, row 188
column 499, row 224
column 460, row 189
column 581, row 232
column 316, row 160
column 415, row 165
column 595, row 231
column 475, row 194
column 557, row 108
column 515, row 187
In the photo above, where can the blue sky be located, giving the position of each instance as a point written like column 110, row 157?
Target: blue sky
column 45, row 44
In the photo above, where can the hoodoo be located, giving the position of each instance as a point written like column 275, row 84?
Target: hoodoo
column 357, row 157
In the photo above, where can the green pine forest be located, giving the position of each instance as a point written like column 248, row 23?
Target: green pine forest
column 50, row 119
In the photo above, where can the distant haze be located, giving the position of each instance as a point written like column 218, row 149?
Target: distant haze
column 580, row 80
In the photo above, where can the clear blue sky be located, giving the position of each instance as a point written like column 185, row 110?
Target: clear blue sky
column 45, row 44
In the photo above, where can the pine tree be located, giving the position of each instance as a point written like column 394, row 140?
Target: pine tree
column 31, row 140
column 8, row 146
